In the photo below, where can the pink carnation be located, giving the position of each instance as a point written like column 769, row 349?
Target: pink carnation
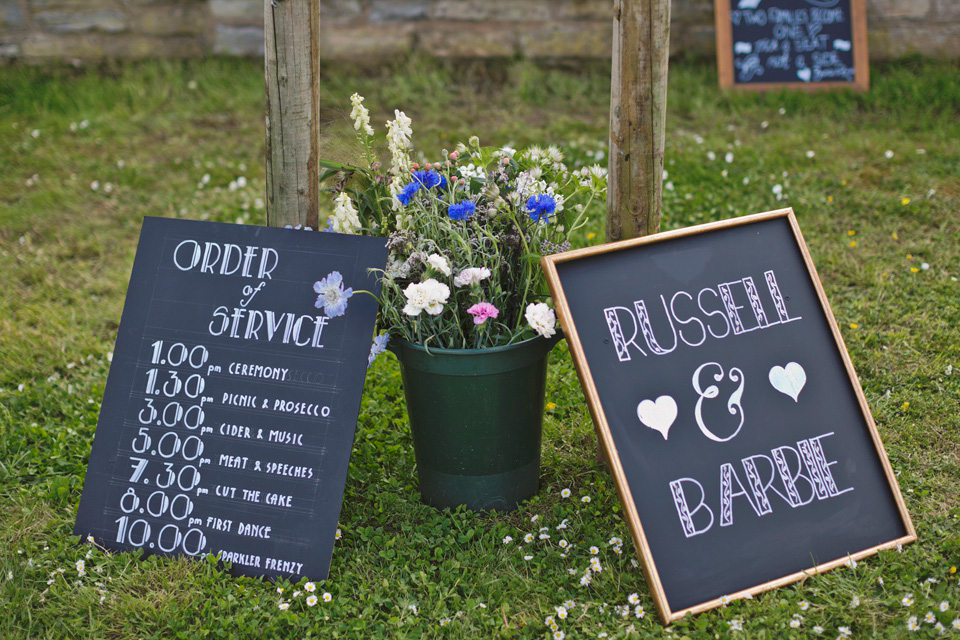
column 481, row 311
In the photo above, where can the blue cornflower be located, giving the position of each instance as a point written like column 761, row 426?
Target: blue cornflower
column 443, row 182
column 462, row 210
column 541, row 206
column 408, row 192
column 428, row 179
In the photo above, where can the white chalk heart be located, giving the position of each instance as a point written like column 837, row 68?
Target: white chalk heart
column 804, row 74
column 841, row 45
column 658, row 415
column 788, row 380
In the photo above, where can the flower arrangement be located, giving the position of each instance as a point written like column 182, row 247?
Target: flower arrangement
column 465, row 234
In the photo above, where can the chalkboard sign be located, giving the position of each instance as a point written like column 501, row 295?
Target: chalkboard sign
column 232, row 399
column 739, row 438
column 802, row 44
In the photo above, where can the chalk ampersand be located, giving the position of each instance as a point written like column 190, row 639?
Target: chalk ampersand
column 713, row 391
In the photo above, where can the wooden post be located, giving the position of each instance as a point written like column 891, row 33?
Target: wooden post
column 638, row 114
column 291, row 60
column 638, row 111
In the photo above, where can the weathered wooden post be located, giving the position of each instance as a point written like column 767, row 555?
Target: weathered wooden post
column 638, row 114
column 638, row 111
column 291, row 60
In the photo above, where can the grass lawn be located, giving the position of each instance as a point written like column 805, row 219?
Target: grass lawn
column 85, row 154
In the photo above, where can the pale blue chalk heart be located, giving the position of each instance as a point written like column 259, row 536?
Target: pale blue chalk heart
column 788, row 380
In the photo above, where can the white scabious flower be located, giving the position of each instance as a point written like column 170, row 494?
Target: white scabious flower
column 527, row 184
column 429, row 296
column 398, row 141
column 439, row 263
column 345, row 218
column 471, row 276
column 397, row 269
column 541, row 319
column 472, row 172
column 360, row 115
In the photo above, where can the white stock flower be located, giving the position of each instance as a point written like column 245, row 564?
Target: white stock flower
column 471, row 276
column 541, row 319
column 398, row 141
column 439, row 263
column 360, row 115
column 345, row 218
column 428, row 296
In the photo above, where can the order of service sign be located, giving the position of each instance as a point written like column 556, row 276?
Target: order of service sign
column 741, row 443
column 232, row 400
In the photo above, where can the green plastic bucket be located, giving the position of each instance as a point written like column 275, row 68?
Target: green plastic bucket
column 476, row 416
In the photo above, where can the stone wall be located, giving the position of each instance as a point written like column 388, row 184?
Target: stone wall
column 374, row 30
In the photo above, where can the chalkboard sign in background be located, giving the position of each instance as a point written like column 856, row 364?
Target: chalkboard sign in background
column 742, row 445
column 792, row 43
column 231, row 404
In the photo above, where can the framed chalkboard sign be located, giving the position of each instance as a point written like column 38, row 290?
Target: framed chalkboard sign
column 740, row 440
column 232, row 399
column 799, row 44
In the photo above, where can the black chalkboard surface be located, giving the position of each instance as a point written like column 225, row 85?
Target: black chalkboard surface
column 232, row 400
column 792, row 43
column 742, row 445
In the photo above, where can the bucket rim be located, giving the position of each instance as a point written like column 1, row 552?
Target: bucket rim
column 472, row 362
column 550, row 342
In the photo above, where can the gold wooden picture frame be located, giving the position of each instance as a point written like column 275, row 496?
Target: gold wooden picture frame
column 631, row 256
column 725, row 66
